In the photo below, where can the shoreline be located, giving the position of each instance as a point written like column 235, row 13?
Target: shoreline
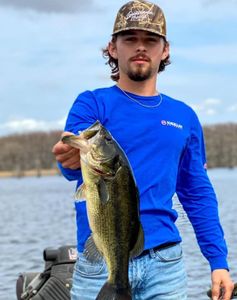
column 56, row 172
column 29, row 173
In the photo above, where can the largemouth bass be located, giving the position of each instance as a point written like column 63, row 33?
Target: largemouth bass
column 112, row 201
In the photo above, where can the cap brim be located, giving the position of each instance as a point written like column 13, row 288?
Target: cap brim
column 138, row 28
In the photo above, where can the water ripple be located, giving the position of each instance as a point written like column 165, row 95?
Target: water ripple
column 39, row 213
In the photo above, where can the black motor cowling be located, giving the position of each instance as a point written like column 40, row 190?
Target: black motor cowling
column 55, row 282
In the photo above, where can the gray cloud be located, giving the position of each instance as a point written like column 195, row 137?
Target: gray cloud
column 56, row 6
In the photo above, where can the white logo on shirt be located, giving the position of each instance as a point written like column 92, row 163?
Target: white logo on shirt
column 172, row 124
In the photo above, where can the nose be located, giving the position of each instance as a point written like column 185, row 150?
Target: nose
column 140, row 46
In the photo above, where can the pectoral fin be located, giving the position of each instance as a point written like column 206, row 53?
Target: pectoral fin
column 103, row 191
column 80, row 194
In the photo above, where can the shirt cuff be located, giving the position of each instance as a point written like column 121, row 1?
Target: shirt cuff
column 219, row 262
column 70, row 174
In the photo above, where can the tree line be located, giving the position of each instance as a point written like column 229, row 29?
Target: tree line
column 29, row 151
column 21, row 152
column 221, row 145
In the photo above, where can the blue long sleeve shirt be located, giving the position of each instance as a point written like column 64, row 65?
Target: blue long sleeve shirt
column 165, row 147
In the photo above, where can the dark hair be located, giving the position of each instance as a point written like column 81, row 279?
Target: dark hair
column 113, row 63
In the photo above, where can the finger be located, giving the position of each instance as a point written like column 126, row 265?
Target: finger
column 76, row 166
column 215, row 290
column 228, row 289
column 60, row 148
column 71, row 165
column 72, row 162
column 72, row 153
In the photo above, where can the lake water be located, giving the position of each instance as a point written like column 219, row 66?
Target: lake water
column 38, row 212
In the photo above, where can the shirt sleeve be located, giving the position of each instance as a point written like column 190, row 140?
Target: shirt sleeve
column 83, row 113
column 198, row 198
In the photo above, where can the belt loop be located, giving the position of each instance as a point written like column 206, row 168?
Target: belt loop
column 152, row 253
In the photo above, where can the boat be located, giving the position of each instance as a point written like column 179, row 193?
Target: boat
column 55, row 281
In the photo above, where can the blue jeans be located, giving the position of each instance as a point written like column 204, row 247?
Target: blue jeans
column 159, row 275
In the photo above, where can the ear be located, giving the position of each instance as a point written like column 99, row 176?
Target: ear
column 166, row 51
column 113, row 50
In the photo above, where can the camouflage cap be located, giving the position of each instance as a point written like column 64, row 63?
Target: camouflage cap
column 140, row 15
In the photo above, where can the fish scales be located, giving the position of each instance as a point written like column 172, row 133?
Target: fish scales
column 112, row 201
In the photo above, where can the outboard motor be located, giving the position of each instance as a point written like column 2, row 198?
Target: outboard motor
column 54, row 282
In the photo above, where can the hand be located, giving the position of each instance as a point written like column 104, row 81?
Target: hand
column 68, row 156
column 221, row 281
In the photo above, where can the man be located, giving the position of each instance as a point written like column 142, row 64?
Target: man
column 163, row 140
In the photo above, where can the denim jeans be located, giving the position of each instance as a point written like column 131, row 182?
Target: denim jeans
column 159, row 275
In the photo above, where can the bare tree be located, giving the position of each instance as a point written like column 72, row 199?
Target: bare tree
column 22, row 152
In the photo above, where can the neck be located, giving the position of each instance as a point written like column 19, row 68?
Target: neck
column 142, row 88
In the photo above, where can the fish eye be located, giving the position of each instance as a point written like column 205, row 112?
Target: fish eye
column 108, row 138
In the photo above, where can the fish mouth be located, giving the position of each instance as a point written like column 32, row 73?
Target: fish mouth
column 78, row 142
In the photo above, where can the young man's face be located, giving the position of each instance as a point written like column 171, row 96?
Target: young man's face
column 139, row 54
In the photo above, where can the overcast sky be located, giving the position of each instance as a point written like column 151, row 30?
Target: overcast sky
column 51, row 51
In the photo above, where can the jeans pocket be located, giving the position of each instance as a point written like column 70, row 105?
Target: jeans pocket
column 169, row 254
column 88, row 269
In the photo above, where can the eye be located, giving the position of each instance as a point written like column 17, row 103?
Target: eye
column 130, row 39
column 153, row 40
column 108, row 138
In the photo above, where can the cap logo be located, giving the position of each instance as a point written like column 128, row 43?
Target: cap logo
column 139, row 15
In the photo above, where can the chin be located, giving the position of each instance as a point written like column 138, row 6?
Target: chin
column 139, row 76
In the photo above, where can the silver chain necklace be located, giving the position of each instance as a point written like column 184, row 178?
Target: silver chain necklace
column 138, row 102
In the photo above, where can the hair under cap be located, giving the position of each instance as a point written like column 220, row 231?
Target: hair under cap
column 140, row 15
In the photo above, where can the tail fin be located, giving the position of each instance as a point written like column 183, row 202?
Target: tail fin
column 111, row 292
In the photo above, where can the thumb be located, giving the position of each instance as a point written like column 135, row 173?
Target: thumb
column 63, row 137
column 60, row 147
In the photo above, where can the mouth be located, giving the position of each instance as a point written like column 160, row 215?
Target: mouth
column 77, row 142
column 140, row 59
